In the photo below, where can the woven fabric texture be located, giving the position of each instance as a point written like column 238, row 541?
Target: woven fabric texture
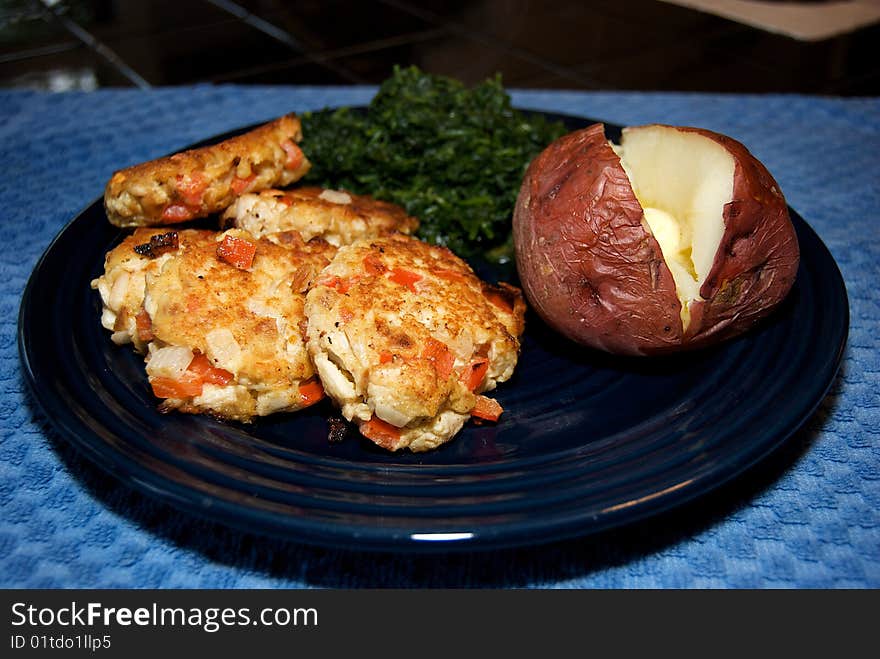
column 808, row 516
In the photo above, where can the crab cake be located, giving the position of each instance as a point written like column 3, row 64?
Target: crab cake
column 125, row 269
column 226, row 318
column 405, row 339
column 338, row 217
column 207, row 180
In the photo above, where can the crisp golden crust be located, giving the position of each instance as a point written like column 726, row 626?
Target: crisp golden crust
column 403, row 331
column 338, row 217
column 199, row 182
column 123, row 283
column 246, row 320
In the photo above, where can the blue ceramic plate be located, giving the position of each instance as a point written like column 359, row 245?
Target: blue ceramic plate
column 587, row 441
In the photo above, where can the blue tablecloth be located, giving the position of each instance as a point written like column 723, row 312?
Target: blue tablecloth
column 807, row 516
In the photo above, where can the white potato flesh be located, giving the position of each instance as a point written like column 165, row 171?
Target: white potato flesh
column 667, row 231
column 683, row 181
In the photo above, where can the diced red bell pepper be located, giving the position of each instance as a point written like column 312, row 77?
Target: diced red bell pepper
column 449, row 275
column 178, row 213
column 294, row 154
column 473, row 374
column 242, row 185
column 210, row 374
column 487, row 408
column 237, row 252
column 199, row 372
column 373, row 265
column 188, row 386
column 439, row 354
column 192, row 188
column 340, row 284
column 310, row 392
column 381, row 432
column 405, row 278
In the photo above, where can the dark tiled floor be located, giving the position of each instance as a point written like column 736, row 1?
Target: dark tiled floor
column 604, row 44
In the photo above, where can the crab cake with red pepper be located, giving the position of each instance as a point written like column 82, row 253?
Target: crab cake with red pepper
column 123, row 283
column 406, row 339
column 338, row 217
column 199, row 182
column 226, row 319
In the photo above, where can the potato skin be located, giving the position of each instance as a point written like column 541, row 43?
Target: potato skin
column 587, row 264
column 592, row 271
column 757, row 260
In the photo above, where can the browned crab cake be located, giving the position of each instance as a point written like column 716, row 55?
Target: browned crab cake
column 227, row 320
column 338, row 217
column 125, row 270
column 405, row 339
column 206, row 180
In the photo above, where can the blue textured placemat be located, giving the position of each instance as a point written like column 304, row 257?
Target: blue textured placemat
column 808, row 516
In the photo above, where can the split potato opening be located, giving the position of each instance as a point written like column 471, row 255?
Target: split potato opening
column 683, row 182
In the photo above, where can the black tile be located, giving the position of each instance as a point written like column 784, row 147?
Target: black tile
column 436, row 51
column 670, row 19
column 330, row 25
column 77, row 69
column 646, row 44
column 573, row 39
column 867, row 85
column 260, row 7
column 685, row 66
column 300, row 71
column 328, row 60
column 118, row 20
column 199, row 53
column 444, row 53
column 742, row 59
column 522, row 21
column 608, row 44
column 814, row 67
column 24, row 29
column 551, row 80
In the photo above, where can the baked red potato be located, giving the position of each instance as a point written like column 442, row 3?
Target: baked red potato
column 675, row 239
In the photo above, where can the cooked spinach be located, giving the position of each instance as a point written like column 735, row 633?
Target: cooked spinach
column 452, row 156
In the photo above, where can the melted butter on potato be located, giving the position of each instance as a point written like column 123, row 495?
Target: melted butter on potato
column 668, row 232
column 683, row 181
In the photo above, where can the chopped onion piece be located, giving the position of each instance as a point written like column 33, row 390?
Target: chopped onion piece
column 223, row 349
column 335, row 197
column 169, row 362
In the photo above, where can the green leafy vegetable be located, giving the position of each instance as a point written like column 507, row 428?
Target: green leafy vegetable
column 453, row 157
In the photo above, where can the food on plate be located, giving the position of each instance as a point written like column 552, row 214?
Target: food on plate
column 335, row 215
column 677, row 238
column 406, row 340
column 235, row 307
column 122, row 285
column 452, row 156
column 199, row 182
column 221, row 322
